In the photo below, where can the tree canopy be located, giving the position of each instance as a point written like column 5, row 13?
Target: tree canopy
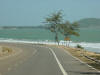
column 56, row 24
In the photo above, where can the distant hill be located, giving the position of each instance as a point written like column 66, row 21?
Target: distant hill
column 21, row 27
column 89, row 22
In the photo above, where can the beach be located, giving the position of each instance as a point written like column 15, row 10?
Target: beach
column 35, row 56
column 22, row 53
column 49, row 37
column 89, row 38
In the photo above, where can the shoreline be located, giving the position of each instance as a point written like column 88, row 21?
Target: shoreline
column 73, row 51
column 17, row 59
column 94, row 47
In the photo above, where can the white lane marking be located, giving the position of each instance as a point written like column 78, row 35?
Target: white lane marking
column 81, row 61
column 59, row 64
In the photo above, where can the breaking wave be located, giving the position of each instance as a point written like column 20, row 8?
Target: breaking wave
column 95, row 47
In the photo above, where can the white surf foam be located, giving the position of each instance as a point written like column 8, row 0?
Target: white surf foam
column 72, row 44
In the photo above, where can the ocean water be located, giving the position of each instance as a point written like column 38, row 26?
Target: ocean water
column 89, row 38
column 88, row 35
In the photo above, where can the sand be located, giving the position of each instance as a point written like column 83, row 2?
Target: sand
column 7, row 51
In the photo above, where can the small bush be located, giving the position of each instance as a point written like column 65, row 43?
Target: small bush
column 6, row 49
column 79, row 46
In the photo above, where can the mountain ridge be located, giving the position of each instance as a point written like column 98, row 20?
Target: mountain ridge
column 89, row 22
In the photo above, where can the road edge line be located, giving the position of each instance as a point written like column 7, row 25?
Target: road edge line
column 81, row 61
column 58, row 62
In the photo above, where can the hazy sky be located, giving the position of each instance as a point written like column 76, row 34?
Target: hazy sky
column 33, row 12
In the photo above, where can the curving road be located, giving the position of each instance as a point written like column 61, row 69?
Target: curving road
column 43, row 60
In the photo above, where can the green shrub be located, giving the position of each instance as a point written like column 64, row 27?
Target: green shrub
column 6, row 49
column 79, row 46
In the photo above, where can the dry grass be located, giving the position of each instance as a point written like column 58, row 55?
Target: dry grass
column 78, row 53
column 4, row 51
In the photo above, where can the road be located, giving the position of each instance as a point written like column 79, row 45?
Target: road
column 43, row 60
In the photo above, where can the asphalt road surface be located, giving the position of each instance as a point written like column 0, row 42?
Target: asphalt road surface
column 43, row 60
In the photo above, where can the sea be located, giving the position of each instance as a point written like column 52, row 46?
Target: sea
column 89, row 37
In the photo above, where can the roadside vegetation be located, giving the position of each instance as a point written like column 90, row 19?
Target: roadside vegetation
column 5, row 51
column 90, row 58
column 57, row 24
column 79, row 46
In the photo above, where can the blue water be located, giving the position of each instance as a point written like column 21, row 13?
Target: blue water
column 86, row 35
column 91, row 36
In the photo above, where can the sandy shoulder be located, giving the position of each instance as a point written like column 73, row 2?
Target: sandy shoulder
column 79, row 54
column 8, row 51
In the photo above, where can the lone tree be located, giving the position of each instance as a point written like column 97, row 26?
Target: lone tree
column 54, row 21
column 57, row 25
column 67, row 29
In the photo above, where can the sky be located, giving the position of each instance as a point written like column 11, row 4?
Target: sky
column 33, row 12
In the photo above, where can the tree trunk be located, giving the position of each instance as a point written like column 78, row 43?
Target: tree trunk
column 68, row 43
column 56, row 38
